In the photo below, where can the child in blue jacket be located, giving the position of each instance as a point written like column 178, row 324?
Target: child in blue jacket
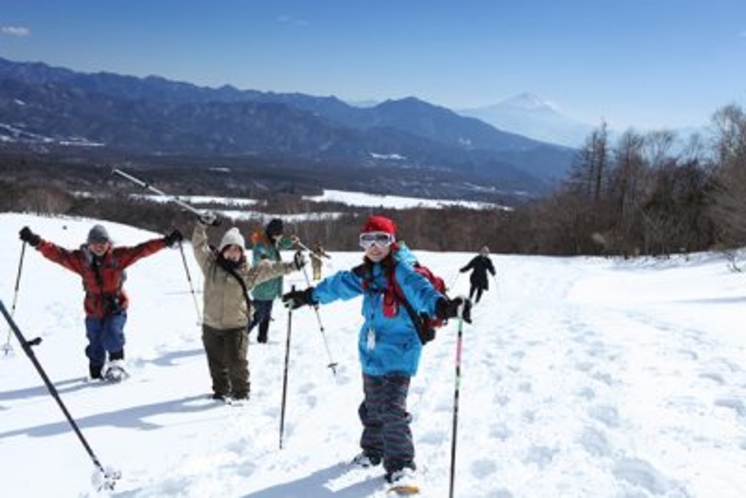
column 388, row 344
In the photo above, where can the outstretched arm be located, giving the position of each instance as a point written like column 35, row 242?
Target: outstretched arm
column 71, row 260
column 469, row 266
column 267, row 271
column 129, row 255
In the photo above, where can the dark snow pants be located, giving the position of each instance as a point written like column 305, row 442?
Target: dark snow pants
column 385, row 419
column 227, row 358
column 475, row 289
column 262, row 316
column 105, row 335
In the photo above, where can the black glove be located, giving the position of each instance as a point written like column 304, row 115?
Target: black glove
column 28, row 236
column 299, row 260
column 173, row 238
column 295, row 299
column 449, row 308
column 208, row 218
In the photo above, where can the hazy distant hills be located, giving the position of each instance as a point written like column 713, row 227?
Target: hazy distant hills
column 430, row 149
column 526, row 114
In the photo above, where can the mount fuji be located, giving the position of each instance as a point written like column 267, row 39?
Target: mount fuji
column 528, row 115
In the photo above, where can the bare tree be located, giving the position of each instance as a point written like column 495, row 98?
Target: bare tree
column 658, row 145
column 590, row 168
column 628, row 188
column 729, row 208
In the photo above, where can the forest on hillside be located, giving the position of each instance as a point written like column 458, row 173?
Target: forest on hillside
column 636, row 194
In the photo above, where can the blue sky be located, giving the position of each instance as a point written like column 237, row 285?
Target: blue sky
column 641, row 63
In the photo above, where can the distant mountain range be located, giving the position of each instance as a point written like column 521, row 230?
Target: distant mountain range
column 431, row 149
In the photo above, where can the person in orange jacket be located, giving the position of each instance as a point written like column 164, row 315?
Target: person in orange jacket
column 102, row 269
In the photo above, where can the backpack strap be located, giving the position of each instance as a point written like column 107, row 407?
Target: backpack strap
column 240, row 281
column 110, row 302
column 361, row 271
column 424, row 332
column 420, row 322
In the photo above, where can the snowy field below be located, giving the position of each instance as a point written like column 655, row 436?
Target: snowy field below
column 581, row 377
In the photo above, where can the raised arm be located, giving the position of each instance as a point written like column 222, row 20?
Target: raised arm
column 202, row 252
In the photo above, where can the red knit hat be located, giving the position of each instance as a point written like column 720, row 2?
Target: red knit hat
column 379, row 224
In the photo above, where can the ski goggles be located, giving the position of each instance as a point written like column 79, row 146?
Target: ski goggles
column 380, row 239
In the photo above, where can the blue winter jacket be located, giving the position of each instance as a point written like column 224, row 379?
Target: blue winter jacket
column 385, row 344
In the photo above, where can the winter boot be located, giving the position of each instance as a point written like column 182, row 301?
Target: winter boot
column 365, row 460
column 403, row 478
column 94, row 372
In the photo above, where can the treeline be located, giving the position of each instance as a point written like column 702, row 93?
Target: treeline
column 649, row 194
column 638, row 194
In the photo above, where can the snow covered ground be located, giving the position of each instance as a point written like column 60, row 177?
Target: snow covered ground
column 581, row 377
column 241, row 209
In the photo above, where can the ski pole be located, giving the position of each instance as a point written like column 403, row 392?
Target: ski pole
column 109, row 477
column 453, row 281
column 285, row 370
column 456, row 391
column 497, row 286
column 7, row 348
column 332, row 364
column 150, row 187
column 191, row 286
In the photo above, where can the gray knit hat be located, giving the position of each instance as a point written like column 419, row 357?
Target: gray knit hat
column 98, row 235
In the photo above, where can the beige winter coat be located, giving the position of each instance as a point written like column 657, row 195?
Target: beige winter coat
column 224, row 303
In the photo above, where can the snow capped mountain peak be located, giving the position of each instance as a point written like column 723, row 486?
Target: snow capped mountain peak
column 527, row 101
column 529, row 115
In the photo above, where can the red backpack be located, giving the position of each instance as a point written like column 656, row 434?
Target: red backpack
column 425, row 324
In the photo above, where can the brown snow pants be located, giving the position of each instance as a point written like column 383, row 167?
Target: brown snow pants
column 228, row 361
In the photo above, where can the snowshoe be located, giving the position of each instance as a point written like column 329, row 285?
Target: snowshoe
column 403, row 482
column 404, row 489
column 237, row 401
column 116, row 372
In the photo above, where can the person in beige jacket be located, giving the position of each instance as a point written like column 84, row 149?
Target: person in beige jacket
column 228, row 279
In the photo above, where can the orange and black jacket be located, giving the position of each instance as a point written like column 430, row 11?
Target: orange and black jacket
column 102, row 276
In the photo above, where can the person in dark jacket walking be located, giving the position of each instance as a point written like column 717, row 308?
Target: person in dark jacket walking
column 389, row 346
column 102, row 268
column 480, row 265
column 266, row 246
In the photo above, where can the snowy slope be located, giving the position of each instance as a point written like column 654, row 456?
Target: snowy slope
column 581, row 377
